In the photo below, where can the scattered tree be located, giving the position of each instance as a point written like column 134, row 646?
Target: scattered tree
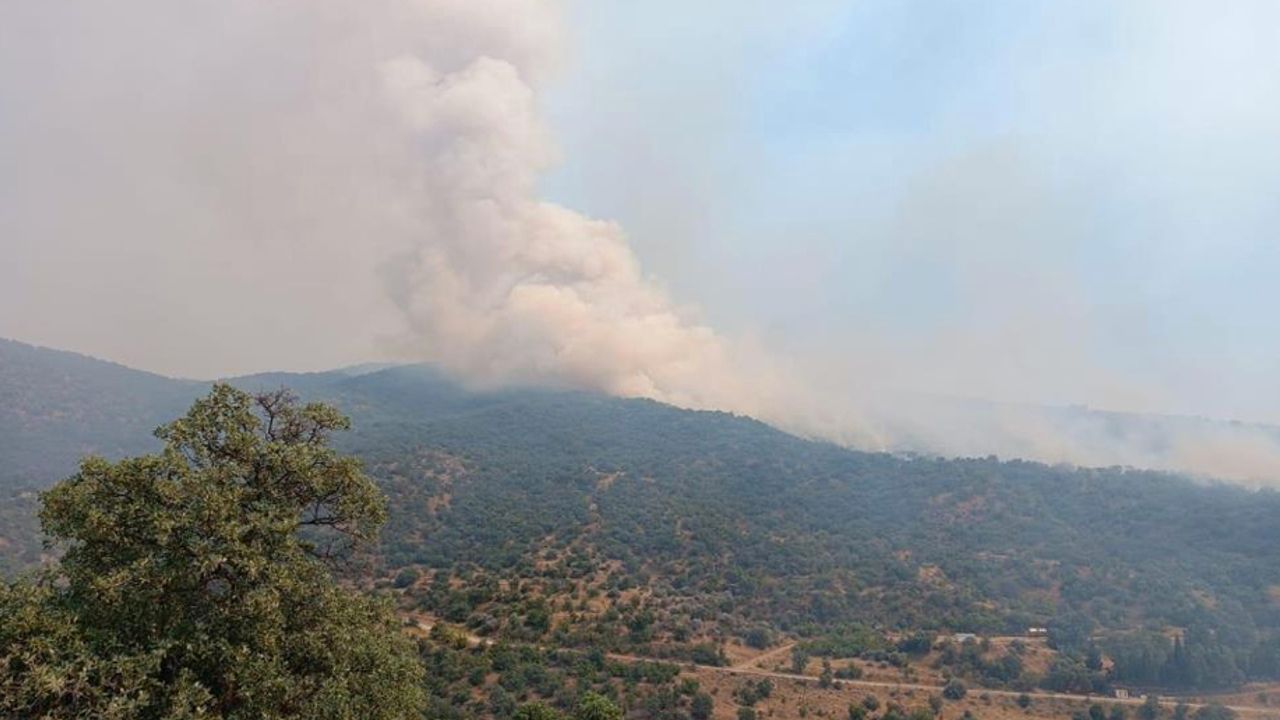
column 955, row 689
column 921, row 713
column 1150, row 708
column 826, row 678
column 701, row 706
column 1215, row 711
column 799, row 660
column 538, row 711
column 758, row 638
column 594, row 706
column 406, row 577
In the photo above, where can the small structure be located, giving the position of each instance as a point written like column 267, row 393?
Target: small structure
column 1037, row 632
column 1122, row 693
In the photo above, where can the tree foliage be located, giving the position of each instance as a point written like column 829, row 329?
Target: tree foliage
column 955, row 690
column 594, row 706
column 196, row 581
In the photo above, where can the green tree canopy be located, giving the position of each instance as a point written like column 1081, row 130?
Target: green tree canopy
column 594, row 706
column 537, row 711
column 702, row 706
column 955, row 689
column 196, row 582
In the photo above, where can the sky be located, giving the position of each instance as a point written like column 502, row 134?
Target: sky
column 806, row 214
column 1031, row 201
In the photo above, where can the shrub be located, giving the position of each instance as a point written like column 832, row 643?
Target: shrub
column 955, row 690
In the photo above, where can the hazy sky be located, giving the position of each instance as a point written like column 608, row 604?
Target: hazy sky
column 1063, row 202
column 1046, row 201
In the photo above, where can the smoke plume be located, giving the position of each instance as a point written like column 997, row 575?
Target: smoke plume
column 499, row 286
column 222, row 186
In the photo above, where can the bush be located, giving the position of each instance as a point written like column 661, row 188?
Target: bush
column 706, row 654
column 758, row 638
column 406, row 577
column 594, row 706
column 1150, row 708
column 849, row 672
column 701, row 707
column 955, row 690
column 1215, row 711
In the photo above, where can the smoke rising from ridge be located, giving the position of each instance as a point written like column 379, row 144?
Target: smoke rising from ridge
column 307, row 184
column 501, row 287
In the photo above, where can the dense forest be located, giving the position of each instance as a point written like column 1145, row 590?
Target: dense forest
column 600, row 524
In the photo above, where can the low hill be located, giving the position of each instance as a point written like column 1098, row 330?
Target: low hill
column 58, row 406
column 577, row 519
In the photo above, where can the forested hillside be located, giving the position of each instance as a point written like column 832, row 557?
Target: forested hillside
column 728, row 527
column 627, row 525
column 56, row 407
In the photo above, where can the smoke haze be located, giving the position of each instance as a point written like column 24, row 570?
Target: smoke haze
column 232, row 186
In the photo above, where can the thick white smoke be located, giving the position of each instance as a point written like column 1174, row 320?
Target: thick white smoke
column 500, row 286
column 219, row 186
column 323, row 179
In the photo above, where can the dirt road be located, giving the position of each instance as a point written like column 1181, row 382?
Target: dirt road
column 746, row 668
column 758, row 659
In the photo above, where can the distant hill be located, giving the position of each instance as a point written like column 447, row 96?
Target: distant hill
column 637, row 526
column 57, row 406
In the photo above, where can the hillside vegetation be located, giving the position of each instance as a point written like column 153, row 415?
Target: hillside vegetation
column 577, row 520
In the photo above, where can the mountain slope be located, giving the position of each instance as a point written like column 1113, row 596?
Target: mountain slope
column 588, row 520
column 723, row 525
column 57, row 406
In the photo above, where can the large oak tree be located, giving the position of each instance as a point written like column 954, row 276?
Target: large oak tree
column 195, row 582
